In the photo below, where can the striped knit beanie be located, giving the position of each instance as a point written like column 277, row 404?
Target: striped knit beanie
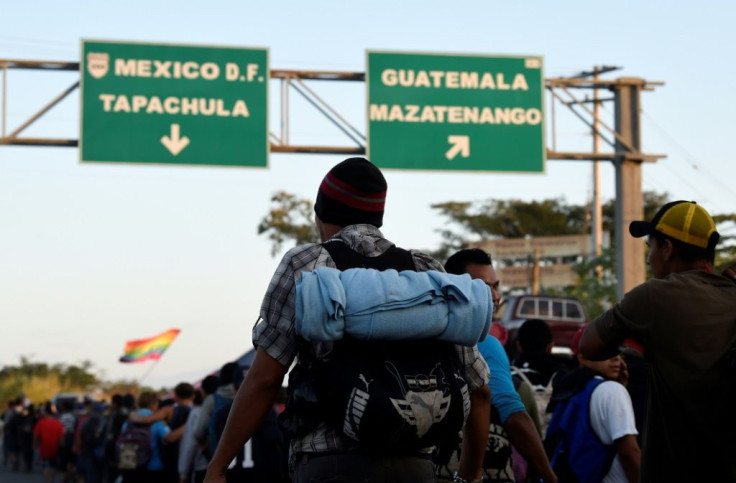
column 354, row 191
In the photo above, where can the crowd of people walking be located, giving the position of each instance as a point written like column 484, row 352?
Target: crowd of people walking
column 146, row 439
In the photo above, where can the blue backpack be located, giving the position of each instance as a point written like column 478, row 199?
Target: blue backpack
column 575, row 452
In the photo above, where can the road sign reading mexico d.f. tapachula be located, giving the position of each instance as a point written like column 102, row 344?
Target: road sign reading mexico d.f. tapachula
column 173, row 104
column 455, row 112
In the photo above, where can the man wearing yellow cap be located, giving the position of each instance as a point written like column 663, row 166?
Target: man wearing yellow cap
column 685, row 320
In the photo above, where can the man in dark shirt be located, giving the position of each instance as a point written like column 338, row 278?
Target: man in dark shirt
column 685, row 320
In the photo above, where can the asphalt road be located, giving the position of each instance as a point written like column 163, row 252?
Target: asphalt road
column 8, row 476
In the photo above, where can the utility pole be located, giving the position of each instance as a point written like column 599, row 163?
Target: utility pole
column 630, row 268
column 596, row 218
column 536, row 271
column 597, row 213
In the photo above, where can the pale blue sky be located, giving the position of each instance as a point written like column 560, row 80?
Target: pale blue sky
column 92, row 255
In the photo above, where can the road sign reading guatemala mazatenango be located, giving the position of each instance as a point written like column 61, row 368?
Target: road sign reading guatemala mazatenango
column 455, row 112
column 179, row 104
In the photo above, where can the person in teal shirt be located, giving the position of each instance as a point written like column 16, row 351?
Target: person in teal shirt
column 510, row 423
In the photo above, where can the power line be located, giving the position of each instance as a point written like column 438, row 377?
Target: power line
column 690, row 160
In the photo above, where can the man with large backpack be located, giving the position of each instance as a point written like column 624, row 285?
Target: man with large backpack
column 138, row 448
column 175, row 416
column 349, row 211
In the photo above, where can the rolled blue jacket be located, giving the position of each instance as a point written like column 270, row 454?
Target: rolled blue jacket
column 372, row 304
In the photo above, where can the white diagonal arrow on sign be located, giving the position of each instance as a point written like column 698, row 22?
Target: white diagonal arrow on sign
column 174, row 144
column 460, row 145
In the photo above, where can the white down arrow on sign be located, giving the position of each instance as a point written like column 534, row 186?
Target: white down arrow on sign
column 174, row 143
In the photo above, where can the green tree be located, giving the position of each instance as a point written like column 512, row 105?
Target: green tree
column 473, row 221
column 513, row 218
column 289, row 218
column 39, row 382
column 469, row 222
column 122, row 387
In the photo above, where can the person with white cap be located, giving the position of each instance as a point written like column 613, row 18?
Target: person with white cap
column 684, row 318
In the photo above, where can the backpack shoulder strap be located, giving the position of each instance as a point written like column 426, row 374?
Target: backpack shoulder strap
column 515, row 371
column 345, row 257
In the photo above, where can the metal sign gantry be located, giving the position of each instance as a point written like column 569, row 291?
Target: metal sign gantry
column 624, row 137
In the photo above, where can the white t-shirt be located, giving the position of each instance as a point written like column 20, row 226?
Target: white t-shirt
column 612, row 417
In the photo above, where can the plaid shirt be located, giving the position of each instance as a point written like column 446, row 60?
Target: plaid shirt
column 275, row 332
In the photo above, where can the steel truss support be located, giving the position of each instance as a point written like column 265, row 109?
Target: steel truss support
column 624, row 138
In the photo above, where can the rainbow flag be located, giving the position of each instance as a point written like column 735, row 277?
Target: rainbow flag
column 152, row 348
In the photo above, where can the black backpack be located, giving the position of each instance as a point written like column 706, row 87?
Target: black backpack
column 67, row 442
column 399, row 395
column 92, row 432
column 497, row 461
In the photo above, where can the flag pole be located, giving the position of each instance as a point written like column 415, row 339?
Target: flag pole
column 140, row 381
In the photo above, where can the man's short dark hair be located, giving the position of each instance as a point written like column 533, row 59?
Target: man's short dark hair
column 534, row 335
column 686, row 251
column 117, row 400
column 184, row 390
column 198, row 397
column 227, row 371
column 146, row 400
column 458, row 263
column 129, row 401
column 210, row 384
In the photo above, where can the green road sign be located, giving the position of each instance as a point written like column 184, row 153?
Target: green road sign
column 180, row 104
column 455, row 112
